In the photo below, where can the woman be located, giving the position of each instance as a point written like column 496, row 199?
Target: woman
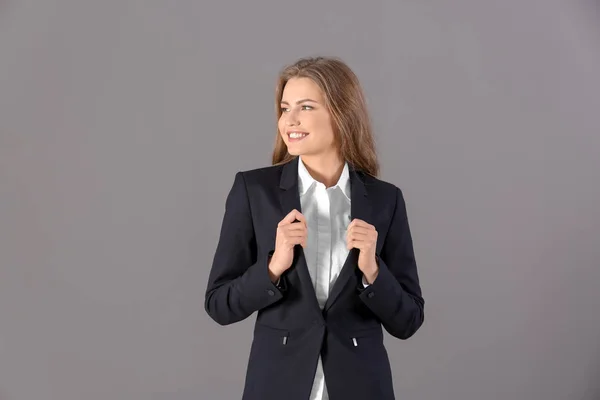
column 319, row 247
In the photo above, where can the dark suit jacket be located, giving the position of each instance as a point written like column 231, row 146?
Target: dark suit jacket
column 290, row 329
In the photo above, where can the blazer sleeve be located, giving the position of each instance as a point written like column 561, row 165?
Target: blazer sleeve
column 238, row 282
column 395, row 295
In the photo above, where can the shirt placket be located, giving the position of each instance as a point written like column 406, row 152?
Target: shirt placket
column 323, row 244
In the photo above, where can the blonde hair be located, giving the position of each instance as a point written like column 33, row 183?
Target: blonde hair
column 346, row 103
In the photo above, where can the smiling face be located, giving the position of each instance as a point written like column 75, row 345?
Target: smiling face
column 305, row 123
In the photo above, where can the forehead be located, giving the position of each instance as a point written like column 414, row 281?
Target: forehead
column 301, row 88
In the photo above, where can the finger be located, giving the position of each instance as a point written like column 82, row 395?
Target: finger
column 296, row 240
column 294, row 229
column 360, row 229
column 359, row 244
column 351, row 244
column 288, row 219
column 295, row 234
column 363, row 239
column 358, row 235
column 362, row 234
column 297, row 227
column 359, row 222
column 300, row 217
column 291, row 217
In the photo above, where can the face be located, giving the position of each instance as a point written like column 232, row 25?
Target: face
column 305, row 123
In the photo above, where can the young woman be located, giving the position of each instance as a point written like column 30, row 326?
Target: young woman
column 319, row 247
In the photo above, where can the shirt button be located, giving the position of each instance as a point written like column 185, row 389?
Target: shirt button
column 370, row 295
column 271, row 293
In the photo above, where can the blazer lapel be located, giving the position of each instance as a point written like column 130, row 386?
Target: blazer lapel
column 360, row 207
column 289, row 198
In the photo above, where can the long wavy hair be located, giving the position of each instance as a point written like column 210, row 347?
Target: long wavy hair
column 346, row 104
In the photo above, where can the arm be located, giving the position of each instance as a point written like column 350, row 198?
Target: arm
column 395, row 295
column 238, row 283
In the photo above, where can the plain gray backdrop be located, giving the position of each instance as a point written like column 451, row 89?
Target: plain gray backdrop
column 122, row 124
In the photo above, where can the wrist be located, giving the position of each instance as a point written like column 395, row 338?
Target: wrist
column 274, row 277
column 370, row 274
column 274, row 271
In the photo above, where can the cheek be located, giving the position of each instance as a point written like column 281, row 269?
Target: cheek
column 281, row 127
column 326, row 129
column 321, row 122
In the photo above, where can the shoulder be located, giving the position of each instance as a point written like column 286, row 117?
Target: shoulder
column 386, row 195
column 380, row 187
column 263, row 171
column 266, row 175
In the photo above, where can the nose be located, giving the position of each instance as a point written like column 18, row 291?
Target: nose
column 292, row 119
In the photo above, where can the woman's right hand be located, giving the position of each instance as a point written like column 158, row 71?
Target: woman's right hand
column 289, row 233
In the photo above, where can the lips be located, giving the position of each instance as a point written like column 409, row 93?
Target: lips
column 296, row 135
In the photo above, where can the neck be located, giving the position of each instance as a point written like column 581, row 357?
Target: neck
column 326, row 170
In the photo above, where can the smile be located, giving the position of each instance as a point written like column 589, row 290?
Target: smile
column 296, row 136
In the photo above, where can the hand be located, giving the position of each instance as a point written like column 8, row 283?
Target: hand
column 363, row 236
column 289, row 233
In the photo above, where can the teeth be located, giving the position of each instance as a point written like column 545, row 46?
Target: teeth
column 295, row 135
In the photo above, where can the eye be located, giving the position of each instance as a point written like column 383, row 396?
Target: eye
column 284, row 109
column 307, row 107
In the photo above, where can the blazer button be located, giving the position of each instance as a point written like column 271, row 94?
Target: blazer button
column 370, row 295
column 271, row 293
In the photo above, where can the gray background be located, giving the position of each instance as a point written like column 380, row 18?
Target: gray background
column 122, row 124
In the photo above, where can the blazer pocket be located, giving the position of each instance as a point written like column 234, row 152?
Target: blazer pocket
column 359, row 336
column 271, row 334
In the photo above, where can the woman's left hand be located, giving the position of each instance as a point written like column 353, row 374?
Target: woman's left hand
column 363, row 236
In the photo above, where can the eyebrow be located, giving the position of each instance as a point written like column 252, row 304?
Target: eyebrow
column 299, row 101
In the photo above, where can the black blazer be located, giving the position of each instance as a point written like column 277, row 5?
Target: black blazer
column 290, row 329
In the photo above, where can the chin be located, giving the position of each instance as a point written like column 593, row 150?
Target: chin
column 294, row 151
